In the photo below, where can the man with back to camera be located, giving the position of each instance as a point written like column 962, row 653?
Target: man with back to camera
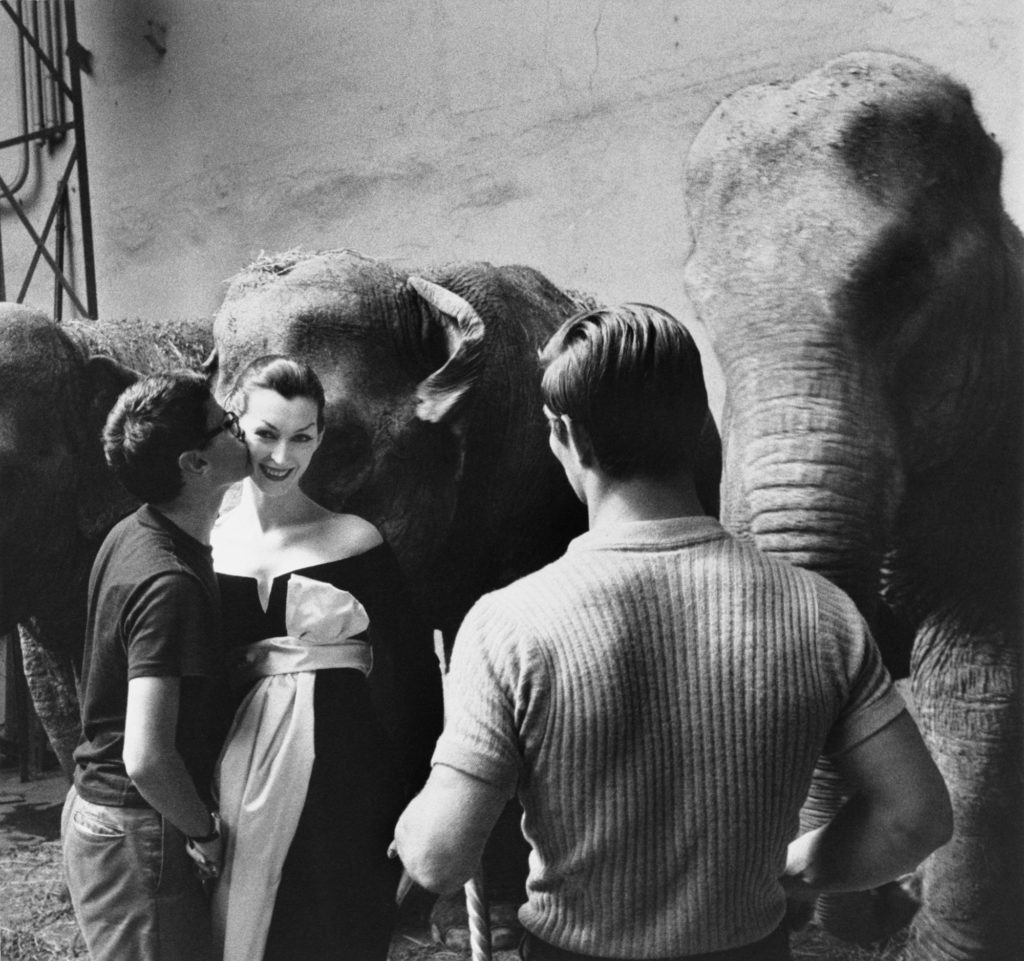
column 659, row 697
column 137, row 827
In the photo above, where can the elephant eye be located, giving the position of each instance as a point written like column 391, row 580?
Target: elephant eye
column 887, row 281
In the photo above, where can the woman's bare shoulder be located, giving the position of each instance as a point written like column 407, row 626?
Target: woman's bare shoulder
column 354, row 534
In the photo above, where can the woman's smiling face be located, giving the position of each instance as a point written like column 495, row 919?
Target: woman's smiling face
column 282, row 437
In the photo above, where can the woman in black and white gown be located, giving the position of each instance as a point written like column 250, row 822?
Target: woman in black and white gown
column 323, row 754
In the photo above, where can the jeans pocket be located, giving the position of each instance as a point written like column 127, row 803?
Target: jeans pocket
column 92, row 820
column 153, row 852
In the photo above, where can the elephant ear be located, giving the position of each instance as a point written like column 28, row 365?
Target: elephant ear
column 101, row 499
column 105, row 380
column 442, row 392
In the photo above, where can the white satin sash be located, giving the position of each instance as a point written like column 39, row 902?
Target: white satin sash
column 264, row 769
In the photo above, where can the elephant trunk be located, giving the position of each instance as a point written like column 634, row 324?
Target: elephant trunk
column 810, row 472
column 53, row 688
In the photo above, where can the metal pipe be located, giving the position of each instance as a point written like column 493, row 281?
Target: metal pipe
column 40, row 97
column 40, row 245
column 32, row 136
column 84, row 198
column 53, row 90
column 40, row 53
column 3, row 276
column 43, row 34
column 24, row 166
column 40, row 239
column 58, row 59
column 58, row 249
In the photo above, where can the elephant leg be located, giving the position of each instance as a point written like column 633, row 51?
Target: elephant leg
column 969, row 706
column 52, row 686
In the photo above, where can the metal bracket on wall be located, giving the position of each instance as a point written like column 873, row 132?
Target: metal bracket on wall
column 49, row 112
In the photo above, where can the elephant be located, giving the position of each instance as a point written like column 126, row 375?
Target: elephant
column 863, row 289
column 57, row 384
column 434, row 425
column 435, row 433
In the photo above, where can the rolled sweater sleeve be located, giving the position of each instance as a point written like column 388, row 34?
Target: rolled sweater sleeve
column 869, row 698
column 480, row 735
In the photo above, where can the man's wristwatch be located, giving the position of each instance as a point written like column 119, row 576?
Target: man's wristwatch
column 207, row 838
column 207, row 858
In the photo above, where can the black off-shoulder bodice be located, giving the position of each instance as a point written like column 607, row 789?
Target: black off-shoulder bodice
column 373, row 738
column 405, row 681
column 249, row 623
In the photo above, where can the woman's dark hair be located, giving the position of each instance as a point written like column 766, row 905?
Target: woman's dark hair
column 631, row 376
column 285, row 375
column 150, row 426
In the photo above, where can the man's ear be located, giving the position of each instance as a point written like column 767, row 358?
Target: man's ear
column 578, row 441
column 192, row 462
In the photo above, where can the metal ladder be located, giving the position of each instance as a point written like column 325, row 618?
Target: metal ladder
column 48, row 105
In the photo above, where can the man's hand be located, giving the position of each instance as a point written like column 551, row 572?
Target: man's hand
column 798, row 856
column 208, row 852
column 405, row 882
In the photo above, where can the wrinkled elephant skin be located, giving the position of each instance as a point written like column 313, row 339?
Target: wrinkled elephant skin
column 863, row 290
column 453, row 468
column 57, row 497
column 57, row 385
column 435, row 430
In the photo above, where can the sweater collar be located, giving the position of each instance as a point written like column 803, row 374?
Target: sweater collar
column 665, row 534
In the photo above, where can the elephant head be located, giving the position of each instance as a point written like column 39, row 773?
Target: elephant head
column 57, row 385
column 58, row 499
column 434, row 425
column 863, row 290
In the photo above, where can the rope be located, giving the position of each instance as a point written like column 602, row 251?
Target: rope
column 479, row 915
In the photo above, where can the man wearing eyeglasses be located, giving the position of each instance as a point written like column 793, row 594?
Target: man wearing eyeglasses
column 138, row 828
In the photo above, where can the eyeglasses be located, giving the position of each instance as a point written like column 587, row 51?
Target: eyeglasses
column 230, row 424
column 555, row 421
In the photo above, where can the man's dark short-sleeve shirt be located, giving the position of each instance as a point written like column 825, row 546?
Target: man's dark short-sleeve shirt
column 154, row 611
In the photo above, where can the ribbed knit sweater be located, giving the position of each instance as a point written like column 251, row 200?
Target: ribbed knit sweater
column 659, row 697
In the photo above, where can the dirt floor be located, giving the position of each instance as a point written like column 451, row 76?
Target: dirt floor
column 36, row 923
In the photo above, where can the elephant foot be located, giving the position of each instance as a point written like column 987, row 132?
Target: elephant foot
column 870, row 917
column 449, row 924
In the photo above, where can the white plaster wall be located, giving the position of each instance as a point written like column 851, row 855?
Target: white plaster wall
column 534, row 131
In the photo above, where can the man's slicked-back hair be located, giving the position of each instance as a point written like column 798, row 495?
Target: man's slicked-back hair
column 287, row 376
column 631, row 376
column 150, row 426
